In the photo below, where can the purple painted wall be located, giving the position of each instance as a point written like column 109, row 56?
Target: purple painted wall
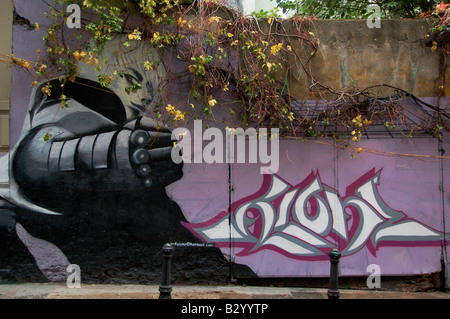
column 408, row 186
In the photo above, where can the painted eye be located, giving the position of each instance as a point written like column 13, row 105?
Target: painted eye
column 131, row 79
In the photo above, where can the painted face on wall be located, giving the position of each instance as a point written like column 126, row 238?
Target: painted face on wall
column 137, row 75
column 140, row 99
column 137, row 87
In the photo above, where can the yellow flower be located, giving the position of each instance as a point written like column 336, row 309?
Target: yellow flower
column 291, row 116
column 276, row 48
column 136, row 35
column 46, row 90
column 148, row 65
column 230, row 35
column 42, row 67
column 179, row 116
column 34, row 84
column 79, row 56
column 434, row 47
column 215, row 19
column 212, row 102
column 170, row 109
column 181, row 22
column 359, row 150
column 21, row 62
column 192, row 68
column 92, row 61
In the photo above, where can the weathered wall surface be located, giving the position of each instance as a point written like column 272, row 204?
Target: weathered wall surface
column 82, row 197
column 391, row 54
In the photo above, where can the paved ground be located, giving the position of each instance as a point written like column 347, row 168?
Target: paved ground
column 60, row 291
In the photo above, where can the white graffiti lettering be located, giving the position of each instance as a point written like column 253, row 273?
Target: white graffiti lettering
column 311, row 218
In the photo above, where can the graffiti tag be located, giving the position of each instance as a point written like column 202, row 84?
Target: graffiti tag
column 307, row 220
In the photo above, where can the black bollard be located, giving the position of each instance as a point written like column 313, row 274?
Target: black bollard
column 333, row 291
column 166, row 289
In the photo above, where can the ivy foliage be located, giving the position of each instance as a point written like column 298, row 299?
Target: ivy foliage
column 356, row 9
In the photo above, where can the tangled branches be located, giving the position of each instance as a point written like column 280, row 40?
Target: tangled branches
column 220, row 54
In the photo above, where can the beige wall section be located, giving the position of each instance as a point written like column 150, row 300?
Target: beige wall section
column 6, row 21
column 390, row 55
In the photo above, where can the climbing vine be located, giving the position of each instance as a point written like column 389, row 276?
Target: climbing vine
column 243, row 62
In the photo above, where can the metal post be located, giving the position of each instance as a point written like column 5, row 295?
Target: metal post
column 333, row 291
column 166, row 289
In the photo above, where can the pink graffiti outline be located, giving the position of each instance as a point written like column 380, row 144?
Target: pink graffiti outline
column 250, row 247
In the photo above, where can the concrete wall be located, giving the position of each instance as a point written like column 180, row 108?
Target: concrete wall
column 82, row 197
column 391, row 54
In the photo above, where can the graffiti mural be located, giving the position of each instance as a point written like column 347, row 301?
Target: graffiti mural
column 90, row 181
column 87, row 179
column 307, row 220
column 101, row 139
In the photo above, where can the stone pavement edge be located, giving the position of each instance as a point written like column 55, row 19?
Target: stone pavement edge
column 236, row 292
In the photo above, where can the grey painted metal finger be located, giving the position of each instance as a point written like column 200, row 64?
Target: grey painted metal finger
column 140, row 156
column 140, row 138
column 148, row 182
column 158, row 139
column 160, row 153
column 144, row 170
column 151, row 125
